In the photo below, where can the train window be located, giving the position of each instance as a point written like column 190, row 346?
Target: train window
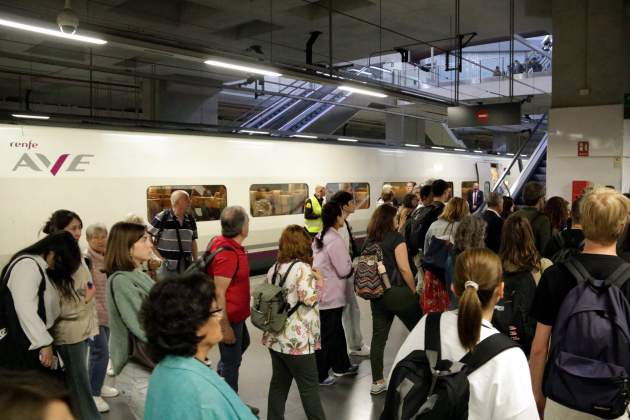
column 277, row 199
column 399, row 188
column 206, row 201
column 359, row 190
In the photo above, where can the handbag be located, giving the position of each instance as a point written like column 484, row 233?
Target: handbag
column 434, row 296
column 138, row 351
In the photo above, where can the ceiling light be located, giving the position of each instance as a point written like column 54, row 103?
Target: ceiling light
column 523, row 155
column 304, row 136
column 510, row 154
column 412, row 145
column 31, row 116
column 253, row 132
column 238, row 67
column 381, row 69
column 51, row 32
column 362, row 91
column 478, row 151
column 347, row 139
column 460, row 150
column 437, row 147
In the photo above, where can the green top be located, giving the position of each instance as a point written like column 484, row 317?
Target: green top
column 130, row 288
column 183, row 388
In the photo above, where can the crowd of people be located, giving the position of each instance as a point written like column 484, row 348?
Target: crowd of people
column 462, row 272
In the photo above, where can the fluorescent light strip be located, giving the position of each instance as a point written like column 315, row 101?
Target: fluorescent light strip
column 253, row 132
column 412, row 145
column 51, row 32
column 460, row 150
column 304, row 136
column 238, row 67
column 437, row 147
column 347, row 139
column 523, row 155
column 362, row 91
column 510, row 154
column 381, row 69
column 478, row 151
column 32, row 117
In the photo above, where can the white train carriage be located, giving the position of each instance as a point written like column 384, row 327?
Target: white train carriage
column 103, row 175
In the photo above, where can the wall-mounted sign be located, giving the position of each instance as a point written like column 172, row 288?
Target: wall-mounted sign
column 484, row 115
column 583, row 148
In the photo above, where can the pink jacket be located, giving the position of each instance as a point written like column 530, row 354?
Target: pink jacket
column 333, row 260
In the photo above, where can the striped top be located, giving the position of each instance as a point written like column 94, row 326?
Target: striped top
column 165, row 227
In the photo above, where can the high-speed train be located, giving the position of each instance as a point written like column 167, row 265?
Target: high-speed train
column 104, row 175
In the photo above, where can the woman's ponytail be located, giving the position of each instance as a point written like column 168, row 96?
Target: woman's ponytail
column 469, row 318
column 478, row 273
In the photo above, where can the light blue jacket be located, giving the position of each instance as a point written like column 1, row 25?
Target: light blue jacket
column 183, row 388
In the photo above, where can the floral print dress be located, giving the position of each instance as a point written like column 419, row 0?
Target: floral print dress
column 301, row 333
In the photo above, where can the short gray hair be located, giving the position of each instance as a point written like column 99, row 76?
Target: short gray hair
column 178, row 195
column 470, row 233
column 493, row 199
column 94, row 229
column 233, row 218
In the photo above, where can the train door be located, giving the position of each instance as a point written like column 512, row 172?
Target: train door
column 484, row 176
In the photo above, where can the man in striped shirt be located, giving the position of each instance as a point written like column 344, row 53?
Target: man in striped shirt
column 175, row 235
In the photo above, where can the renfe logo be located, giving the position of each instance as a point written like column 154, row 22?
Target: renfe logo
column 27, row 161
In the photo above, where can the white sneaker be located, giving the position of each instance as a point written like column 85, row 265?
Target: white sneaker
column 109, row 392
column 378, row 388
column 364, row 351
column 101, row 405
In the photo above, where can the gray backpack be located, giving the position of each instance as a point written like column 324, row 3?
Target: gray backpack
column 270, row 309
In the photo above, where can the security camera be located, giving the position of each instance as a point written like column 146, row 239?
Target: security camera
column 67, row 20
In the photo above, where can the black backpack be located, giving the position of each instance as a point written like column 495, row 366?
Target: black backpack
column 14, row 344
column 512, row 312
column 589, row 363
column 425, row 387
column 202, row 264
column 418, row 223
column 566, row 249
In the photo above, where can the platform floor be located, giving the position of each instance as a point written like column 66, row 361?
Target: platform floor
column 348, row 399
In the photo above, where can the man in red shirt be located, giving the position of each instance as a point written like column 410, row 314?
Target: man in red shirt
column 230, row 270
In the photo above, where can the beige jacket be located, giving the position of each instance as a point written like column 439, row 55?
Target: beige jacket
column 78, row 320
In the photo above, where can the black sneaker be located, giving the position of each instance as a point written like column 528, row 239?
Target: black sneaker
column 352, row 371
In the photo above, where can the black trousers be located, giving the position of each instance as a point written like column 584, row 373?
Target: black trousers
column 334, row 352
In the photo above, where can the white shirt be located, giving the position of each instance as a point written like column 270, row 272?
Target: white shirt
column 24, row 282
column 500, row 389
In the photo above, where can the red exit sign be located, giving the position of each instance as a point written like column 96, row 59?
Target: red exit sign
column 483, row 115
column 583, row 149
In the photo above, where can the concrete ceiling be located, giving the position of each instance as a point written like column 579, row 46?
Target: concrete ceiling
column 281, row 27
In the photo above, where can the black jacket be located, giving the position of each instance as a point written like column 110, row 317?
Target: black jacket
column 493, row 230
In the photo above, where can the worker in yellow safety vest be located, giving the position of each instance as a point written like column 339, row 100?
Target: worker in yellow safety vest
column 313, row 211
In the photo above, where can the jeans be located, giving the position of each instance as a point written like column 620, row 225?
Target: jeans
column 397, row 301
column 351, row 318
column 74, row 357
column 99, row 357
column 232, row 354
column 303, row 369
column 334, row 351
column 132, row 382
